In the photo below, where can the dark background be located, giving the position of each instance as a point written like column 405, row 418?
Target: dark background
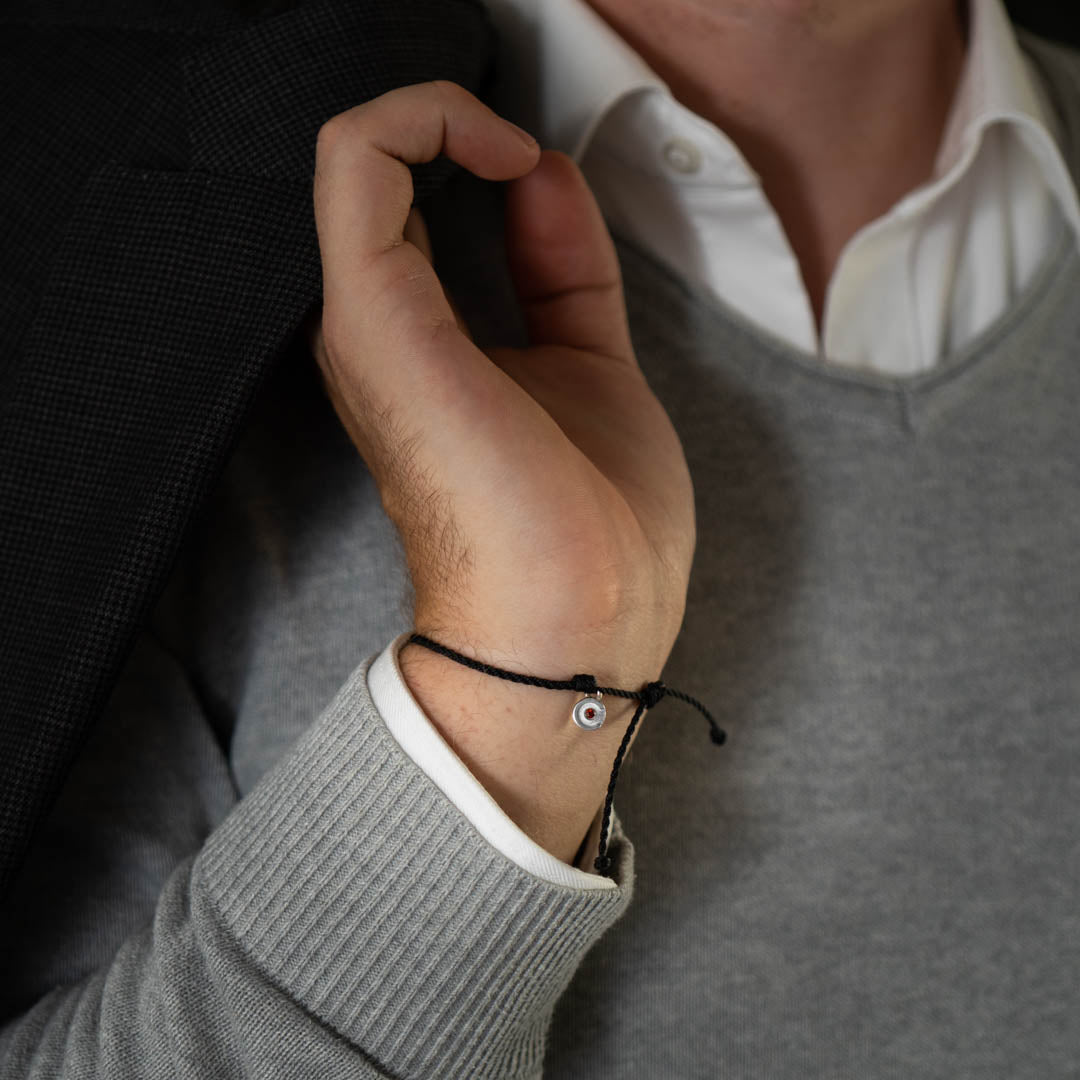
column 1056, row 19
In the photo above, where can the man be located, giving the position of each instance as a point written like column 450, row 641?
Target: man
column 871, row 879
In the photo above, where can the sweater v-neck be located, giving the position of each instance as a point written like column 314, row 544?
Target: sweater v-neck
column 1043, row 310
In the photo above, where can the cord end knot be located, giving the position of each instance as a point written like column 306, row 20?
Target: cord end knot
column 602, row 863
column 652, row 694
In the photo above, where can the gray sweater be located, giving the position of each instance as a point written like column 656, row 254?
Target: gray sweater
column 876, row 878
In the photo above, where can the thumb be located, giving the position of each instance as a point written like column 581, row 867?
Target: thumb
column 563, row 262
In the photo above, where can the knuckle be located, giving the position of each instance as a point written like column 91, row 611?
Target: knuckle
column 329, row 135
column 451, row 92
column 344, row 126
column 338, row 336
column 341, row 128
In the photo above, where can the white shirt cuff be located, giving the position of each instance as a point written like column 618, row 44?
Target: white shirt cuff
column 419, row 739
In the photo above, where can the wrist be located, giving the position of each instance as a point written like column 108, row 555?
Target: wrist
column 547, row 775
column 621, row 642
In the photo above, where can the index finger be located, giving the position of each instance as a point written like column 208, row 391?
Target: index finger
column 363, row 192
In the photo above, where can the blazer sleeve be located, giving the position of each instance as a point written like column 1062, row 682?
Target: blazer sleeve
column 345, row 919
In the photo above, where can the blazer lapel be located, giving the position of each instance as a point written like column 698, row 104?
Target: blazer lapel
column 172, row 293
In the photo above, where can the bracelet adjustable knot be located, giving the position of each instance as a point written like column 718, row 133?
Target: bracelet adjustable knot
column 652, row 694
column 589, row 714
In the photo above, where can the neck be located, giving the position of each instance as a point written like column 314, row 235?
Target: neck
column 838, row 105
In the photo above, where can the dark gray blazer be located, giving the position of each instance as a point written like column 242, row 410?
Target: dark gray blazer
column 158, row 257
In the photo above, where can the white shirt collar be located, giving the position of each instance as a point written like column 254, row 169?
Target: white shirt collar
column 586, row 68
column 999, row 85
column 580, row 66
column 996, row 85
column 583, row 68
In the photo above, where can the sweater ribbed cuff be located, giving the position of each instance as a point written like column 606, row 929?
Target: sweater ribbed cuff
column 353, row 882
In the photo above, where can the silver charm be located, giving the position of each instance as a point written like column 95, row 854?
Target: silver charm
column 590, row 713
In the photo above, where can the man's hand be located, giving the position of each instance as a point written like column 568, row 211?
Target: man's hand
column 541, row 494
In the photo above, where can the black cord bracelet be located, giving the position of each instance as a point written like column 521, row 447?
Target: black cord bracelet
column 589, row 717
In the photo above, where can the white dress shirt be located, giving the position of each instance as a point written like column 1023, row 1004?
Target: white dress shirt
column 908, row 289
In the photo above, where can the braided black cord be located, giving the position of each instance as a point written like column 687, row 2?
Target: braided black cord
column 602, row 862
column 649, row 695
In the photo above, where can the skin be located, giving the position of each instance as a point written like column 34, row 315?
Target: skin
column 541, row 494
column 838, row 105
column 542, row 497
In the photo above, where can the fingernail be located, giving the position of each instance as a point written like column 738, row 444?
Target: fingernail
column 526, row 138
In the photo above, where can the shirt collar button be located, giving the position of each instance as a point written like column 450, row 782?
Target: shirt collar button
column 682, row 155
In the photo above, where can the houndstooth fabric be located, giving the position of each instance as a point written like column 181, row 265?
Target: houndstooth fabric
column 158, row 255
